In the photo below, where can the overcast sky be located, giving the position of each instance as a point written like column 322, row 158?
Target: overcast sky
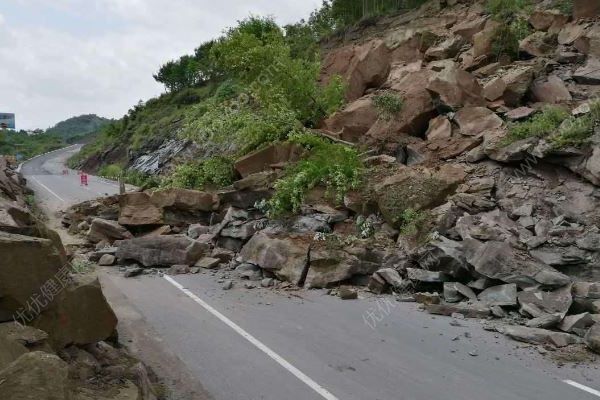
column 61, row 58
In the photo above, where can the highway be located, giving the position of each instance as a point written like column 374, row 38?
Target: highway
column 255, row 344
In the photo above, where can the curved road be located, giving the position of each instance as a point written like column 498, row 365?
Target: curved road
column 251, row 344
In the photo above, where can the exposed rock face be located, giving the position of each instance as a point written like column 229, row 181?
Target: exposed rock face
column 155, row 162
column 36, row 375
column 161, row 250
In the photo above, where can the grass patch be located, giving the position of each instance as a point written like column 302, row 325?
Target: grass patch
column 333, row 165
column 388, row 105
column 557, row 126
column 540, row 125
column 211, row 173
column 111, row 171
column 564, row 6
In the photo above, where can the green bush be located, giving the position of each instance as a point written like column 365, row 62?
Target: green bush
column 335, row 166
column 564, row 6
column 411, row 221
column 502, row 10
column 576, row 131
column 213, row 172
column 388, row 104
column 139, row 179
column 558, row 126
column 513, row 25
column 541, row 124
column 111, row 171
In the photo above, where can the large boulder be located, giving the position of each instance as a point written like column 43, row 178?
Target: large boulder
column 36, row 375
column 474, row 121
column 27, row 264
column 416, row 187
column 585, row 9
column 541, row 302
column 273, row 156
column 105, row 230
column 361, row 66
column 538, row 44
column 78, row 315
column 330, row 266
column 498, row 260
column 168, row 206
column 184, row 200
column 517, row 80
column 589, row 74
column 548, row 20
column 285, row 256
column 136, row 209
column 354, row 120
column 161, row 250
column 552, row 90
column 592, row 338
column 455, row 88
column 417, row 108
column 16, row 340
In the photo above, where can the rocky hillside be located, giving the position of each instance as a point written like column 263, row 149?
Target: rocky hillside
column 57, row 332
column 462, row 172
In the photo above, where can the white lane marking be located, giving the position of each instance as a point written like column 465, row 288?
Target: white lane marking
column 582, row 387
column 48, row 189
column 280, row 360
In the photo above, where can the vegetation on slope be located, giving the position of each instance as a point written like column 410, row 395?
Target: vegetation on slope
column 256, row 84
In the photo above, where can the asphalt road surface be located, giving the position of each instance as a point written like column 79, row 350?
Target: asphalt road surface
column 251, row 344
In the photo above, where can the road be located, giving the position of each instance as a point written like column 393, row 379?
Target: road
column 251, row 344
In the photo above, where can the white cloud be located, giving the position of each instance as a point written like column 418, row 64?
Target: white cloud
column 53, row 70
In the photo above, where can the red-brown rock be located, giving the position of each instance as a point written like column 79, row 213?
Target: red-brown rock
column 274, row 155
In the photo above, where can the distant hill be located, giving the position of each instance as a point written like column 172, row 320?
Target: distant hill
column 75, row 128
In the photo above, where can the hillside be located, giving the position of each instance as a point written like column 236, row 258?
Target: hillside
column 76, row 128
column 73, row 130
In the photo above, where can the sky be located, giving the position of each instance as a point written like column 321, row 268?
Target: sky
column 62, row 58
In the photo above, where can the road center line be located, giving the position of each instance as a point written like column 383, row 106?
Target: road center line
column 261, row 346
column 582, row 387
column 48, row 189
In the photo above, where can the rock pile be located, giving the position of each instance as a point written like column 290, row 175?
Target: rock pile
column 488, row 227
column 52, row 319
